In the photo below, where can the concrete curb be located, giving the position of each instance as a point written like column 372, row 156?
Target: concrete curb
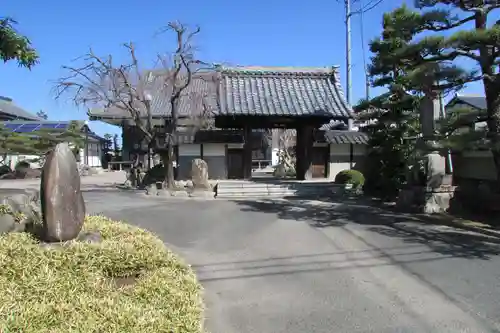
column 449, row 221
column 461, row 225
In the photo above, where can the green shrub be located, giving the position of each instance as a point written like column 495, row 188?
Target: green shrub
column 353, row 177
column 129, row 282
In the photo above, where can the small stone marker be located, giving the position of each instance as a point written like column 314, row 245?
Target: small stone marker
column 199, row 174
column 63, row 207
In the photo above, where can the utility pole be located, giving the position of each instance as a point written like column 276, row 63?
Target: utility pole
column 348, row 56
column 367, row 83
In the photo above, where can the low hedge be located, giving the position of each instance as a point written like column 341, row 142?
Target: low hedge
column 353, row 177
column 129, row 282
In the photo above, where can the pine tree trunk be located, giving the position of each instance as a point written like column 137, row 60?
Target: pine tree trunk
column 492, row 95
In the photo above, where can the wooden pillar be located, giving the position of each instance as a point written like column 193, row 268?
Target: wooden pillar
column 247, row 153
column 304, row 147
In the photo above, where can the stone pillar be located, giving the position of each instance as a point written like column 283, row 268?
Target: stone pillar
column 429, row 114
column 435, row 163
column 247, row 152
column 303, row 149
column 437, row 193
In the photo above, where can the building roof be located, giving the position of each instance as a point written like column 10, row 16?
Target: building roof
column 199, row 96
column 333, row 125
column 20, row 126
column 475, row 101
column 285, row 91
column 339, row 137
column 9, row 108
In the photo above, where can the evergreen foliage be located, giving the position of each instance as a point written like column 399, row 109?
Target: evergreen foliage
column 14, row 46
column 422, row 52
column 38, row 142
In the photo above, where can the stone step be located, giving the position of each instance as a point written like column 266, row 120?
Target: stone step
column 276, row 185
column 291, row 192
column 243, row 195
column 275, row 188
column 270, row 193
column 253, row 189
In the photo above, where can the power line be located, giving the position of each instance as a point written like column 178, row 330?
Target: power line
column 370, row 5
column 363, row 51
column 348, row 15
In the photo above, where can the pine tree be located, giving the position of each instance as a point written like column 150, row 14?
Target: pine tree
column 42, row 115
column 39, row 142
column 392, row 135
column 14, row 46
column 441, row 41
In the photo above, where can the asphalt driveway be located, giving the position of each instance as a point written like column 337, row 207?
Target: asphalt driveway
column 272, row 267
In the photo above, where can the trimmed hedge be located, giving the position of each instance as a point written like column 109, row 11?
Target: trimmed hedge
column 129, row 282
column 353, row 177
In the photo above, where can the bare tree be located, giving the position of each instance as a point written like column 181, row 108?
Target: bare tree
column 125, row 89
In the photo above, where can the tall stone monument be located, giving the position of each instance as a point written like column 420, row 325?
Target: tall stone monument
column 434, row 162
column 63, row 207
column 435, row 195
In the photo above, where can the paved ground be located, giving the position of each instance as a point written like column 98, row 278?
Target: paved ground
column 103, row 180
column 274, row 267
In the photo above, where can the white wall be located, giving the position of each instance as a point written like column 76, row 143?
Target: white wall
column 214, row 149
column 189, row 150
column 340, row 157
column 95, row 154
column 94, row 159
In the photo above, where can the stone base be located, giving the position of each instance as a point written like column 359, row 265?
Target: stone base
column 202, row 194
column 426, row 200
column 179, row 194
column 89, row 237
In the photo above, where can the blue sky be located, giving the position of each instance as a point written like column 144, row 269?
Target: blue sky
column 259, row 32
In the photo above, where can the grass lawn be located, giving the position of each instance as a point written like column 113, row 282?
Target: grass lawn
column 130, row 282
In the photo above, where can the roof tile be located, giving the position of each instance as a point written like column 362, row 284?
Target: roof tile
column 8, row 107
column 282, row 91
column 251, row 91
column 340, row 137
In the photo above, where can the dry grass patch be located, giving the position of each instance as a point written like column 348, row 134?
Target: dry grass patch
column 130, row 282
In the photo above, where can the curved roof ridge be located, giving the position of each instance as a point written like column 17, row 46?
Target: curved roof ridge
column 292, row 69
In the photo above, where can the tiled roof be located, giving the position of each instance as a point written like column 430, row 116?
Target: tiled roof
column 476, row 101
column 339, row 137
column 199, row 96
column 333, row 124
column 249, row 91
column 14, row 111
column 285, row 91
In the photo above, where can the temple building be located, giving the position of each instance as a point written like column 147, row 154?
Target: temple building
column 225, row 116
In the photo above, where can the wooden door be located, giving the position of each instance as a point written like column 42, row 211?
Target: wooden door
column 319, row 162
column 235, row 164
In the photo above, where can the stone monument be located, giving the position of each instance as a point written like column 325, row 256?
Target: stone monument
column 199, row 174
column 63, row 207
column 435, row 195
